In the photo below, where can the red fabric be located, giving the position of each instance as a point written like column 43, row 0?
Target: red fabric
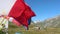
column 28, row 12
column 21, row 12
column 16, row 22
column 17, row 9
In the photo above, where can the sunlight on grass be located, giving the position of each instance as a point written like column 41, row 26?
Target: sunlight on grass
column 13, row 29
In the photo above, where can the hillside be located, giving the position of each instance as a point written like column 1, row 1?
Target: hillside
column 50, row 22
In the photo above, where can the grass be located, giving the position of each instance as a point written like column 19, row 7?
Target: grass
column 13, row 29
column 1, row 32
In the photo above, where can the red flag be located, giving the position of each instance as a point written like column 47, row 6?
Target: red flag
column 21, row 12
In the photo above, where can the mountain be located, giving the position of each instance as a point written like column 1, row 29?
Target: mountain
column 50, row 22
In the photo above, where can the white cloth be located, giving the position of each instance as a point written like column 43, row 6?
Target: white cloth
column 1, row 27
column 10, row 19
column 4, row 21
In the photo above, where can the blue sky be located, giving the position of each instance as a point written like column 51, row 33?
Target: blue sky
column 44, row 8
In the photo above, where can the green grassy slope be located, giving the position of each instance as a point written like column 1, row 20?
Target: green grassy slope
column 13, row 29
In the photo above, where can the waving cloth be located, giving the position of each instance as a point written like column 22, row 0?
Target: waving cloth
column 21, row 12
